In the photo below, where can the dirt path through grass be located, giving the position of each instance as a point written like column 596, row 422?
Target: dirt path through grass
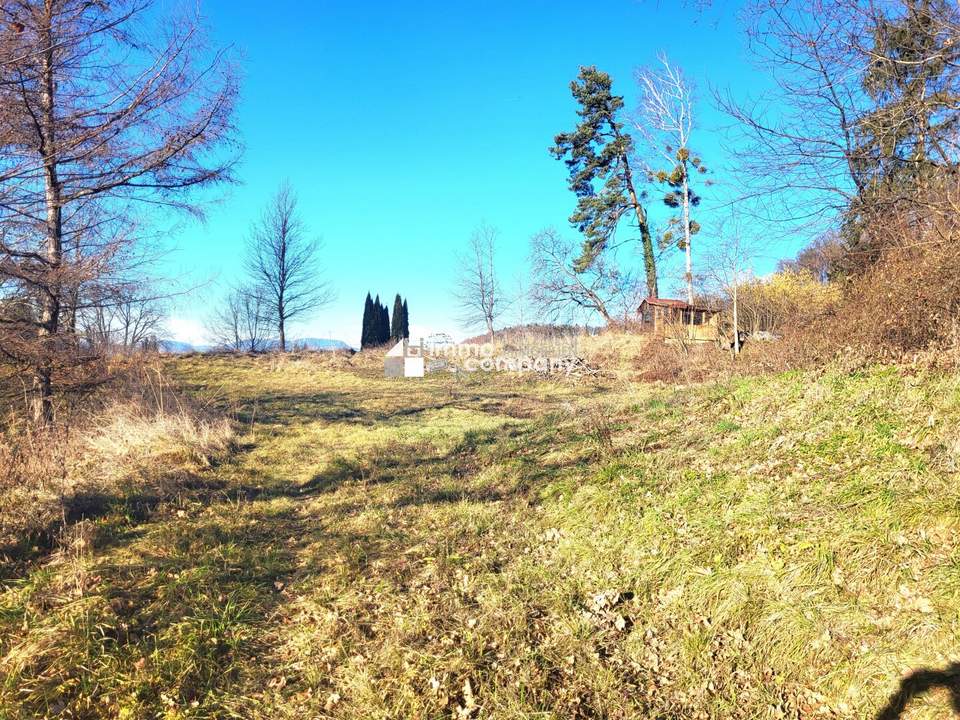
column 498, row 548
column 331, row 566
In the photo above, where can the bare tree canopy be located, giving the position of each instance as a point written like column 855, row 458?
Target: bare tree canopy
column 478, row 289
column 822, row 258
column 862, row 92
column 729, row 267
column 283, row 264
column 103, row 104
column 561, row 293
column 125, row 321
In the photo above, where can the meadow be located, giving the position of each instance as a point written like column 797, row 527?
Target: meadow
column 500, row 546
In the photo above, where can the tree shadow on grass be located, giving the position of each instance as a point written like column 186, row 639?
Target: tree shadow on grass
column 286, row 408
column 395, row 462
column 180, row 613
column 291, row 408
column 186, row 585
column 919, row 682
column 118, row 515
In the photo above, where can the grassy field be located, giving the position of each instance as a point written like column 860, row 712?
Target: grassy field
column 499, row 547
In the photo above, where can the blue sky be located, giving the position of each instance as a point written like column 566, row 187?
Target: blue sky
column 403, row 125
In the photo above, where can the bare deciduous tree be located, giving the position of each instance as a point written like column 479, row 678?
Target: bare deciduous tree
column 665, row 121
column 102, row 106
column 859, row 92
column 801, row 133
column 283, row 264
column 729, row 266
column 478, row 289
column 821, row 258
column 242, row 322
column 561, row 293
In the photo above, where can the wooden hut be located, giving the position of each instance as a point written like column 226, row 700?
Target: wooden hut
column 677, row 320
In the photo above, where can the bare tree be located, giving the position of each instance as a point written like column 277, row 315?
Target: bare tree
column 729, row 265
column 560, row 292
column 478, row 289
column 665, row 121
column 283, row 264
column 801, row 133
column 242, row 323
column 103, row 104
column 860, row 90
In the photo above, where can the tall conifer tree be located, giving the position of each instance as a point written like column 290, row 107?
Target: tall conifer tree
column 597, row 154
column 396, row 324
column 366, row 327
column 384, row 324
column 405, row 325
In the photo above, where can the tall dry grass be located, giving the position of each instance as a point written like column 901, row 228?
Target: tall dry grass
column 136, row 434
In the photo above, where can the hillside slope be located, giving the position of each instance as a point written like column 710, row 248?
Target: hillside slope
column 502, row 547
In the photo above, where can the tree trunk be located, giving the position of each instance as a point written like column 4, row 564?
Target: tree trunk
column 283, row 337
column 646, row 240
column 649, row 260
column 50, row 304
column 736, row 324
column 686, row 236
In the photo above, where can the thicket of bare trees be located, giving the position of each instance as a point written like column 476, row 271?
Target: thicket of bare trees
column 863, row 106
column 242, row 322
column 822, row 258
column 857, row 143
column 122, row 321
column 102, row 106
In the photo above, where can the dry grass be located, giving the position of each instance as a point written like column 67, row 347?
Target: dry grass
column 488, row 547
column 141, row 439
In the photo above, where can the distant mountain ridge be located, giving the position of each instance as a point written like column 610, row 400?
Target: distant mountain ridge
column 178, row 347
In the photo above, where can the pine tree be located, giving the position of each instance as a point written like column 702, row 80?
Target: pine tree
column 366, row 335
column 597, row 155
column 909, row 135
column 405, row 324
column 396, row 324
column 914, row 82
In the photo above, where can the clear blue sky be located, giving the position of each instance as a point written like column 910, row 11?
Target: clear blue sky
column 403, row 125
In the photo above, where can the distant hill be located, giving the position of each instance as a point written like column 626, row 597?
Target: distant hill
column 320, row 344
column 538, row 330
column 177, row 347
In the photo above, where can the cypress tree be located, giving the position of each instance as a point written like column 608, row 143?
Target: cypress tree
column 405, row 324
column 384, row 324
column 367, row 324
column 377, row 334
column 396, row 324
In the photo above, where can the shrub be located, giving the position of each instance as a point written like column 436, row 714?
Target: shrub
column 789, row 298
